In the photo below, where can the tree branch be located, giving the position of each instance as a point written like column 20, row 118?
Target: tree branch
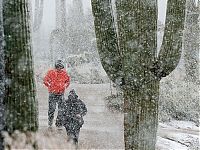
column 171, row 48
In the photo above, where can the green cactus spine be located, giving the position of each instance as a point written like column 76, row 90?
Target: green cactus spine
column 20, row 101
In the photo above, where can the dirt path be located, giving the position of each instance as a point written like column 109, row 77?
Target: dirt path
column 102, row 129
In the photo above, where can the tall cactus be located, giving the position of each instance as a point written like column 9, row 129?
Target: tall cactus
column 127, row 49
column 2, row 78
column 21, row 105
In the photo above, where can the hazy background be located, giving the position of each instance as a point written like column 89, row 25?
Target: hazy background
column 41, row 37
column 48, row 22
column 179, row 100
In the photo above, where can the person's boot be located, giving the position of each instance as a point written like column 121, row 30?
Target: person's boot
column 75, row 140
column 50, row 123
column 58, row 121
column 58, row 125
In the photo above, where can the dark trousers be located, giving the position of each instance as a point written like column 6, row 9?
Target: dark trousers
column 53, row 100
column 73, row 134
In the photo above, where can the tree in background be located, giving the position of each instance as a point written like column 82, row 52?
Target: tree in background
column 20, row 101
column 60, row 14
column 76, row 35
column 77, row 10
column 38, row 14
column 192, row 41
column 57, row 36
column 128, row 54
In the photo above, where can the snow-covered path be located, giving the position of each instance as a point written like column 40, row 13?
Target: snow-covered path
column 103, row 129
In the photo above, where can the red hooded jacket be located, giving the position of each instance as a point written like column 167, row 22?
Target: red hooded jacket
column 57, row 81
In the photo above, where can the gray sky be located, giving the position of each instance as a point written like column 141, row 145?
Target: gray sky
column 162, row 10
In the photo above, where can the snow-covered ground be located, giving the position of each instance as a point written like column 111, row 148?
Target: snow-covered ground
column 104, row 130
column 178, row 135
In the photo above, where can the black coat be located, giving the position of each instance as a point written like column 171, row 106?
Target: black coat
column 73, row 111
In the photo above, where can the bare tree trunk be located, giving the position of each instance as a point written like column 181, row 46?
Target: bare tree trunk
column 38, row 15
column 63, row 14
column 20, row 101
column 76, row 28
column 63, row 29
column 57, row 37
column 78, row 9
column 58, row 20
column 51, row 39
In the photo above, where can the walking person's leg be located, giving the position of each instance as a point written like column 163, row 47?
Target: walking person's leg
column 75, row 137
column 59, row 116
column 52, row 108
column 69, row 130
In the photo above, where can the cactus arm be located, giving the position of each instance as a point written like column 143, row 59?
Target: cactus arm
column 107, row 42
column 171, row 48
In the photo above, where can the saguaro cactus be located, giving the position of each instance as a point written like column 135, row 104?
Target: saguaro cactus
column 128, row 51
column 38, row 14
column 2, row 79
column 20, row 102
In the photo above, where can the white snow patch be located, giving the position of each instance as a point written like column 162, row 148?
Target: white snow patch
column 165, row 144
column 183, row 124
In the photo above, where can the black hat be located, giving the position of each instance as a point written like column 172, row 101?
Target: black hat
column 73, row 94
column 72, row 91
column 59, row 64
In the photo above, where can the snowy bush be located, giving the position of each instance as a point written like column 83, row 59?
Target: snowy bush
column 85, row 69
column 194, row 145
column 115, row 102
column 82, row 68
column 93, row 76
column 85, row 58
column 179, row 100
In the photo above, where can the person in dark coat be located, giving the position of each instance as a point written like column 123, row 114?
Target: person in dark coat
column 73, row 111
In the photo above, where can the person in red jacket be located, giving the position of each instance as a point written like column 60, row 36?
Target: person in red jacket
column 56, row 80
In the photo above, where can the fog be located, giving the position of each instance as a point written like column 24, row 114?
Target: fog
column 128, row 93
column 90, row 76
column 49, row 12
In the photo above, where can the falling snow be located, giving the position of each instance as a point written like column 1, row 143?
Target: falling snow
column 136, row 72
